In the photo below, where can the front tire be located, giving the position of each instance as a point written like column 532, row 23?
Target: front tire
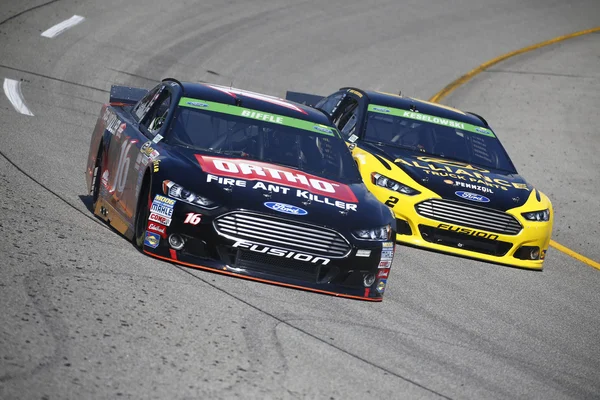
column 142, row 213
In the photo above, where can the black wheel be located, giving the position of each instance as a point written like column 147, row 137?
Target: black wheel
column 97, row 178
column 142, row 213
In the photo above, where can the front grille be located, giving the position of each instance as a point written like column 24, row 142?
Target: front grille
column 285, row 234
column 277, row 266
column 468, row 215
column 463, row 241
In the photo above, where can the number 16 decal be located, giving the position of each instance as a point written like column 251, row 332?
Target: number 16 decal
column 123, row 166
column 192, row 218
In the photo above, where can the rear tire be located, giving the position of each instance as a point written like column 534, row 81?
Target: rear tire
column 142, row 213
column 97, row 179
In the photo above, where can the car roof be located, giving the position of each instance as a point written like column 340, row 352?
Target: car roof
column 422, row 106
column 253, row 100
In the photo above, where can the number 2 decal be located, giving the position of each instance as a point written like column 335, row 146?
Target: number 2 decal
column 392, row 201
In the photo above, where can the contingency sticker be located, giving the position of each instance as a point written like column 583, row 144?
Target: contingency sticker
column 151, row 240
column 163, row 206
column 381, row 285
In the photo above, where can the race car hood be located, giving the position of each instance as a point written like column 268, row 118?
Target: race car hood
column 459, row 181
column 239, row 183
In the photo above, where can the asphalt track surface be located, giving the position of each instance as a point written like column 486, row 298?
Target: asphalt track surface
column 85, row 315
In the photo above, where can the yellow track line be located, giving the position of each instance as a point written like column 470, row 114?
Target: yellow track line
column 466, row 77
column 469, row 75
column 575, row 255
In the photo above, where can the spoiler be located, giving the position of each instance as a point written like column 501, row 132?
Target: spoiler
column 303, row 98
column 126, row 94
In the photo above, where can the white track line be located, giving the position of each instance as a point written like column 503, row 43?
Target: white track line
column 63, row 26
column 12, row 89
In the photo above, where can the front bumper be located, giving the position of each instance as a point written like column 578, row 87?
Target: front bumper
column 511, row 250
column 208, row 249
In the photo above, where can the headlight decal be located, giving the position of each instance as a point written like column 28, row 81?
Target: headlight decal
column 380, row 234
column 539, row 216
column 388, row 183
column 178, row 192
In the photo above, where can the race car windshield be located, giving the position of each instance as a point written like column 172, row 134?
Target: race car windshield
column 320, row 154
column 472, row 145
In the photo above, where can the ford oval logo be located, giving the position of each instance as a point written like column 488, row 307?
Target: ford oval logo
column 285, row 208
column 472, row 196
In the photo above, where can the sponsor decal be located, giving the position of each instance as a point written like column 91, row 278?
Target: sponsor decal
column 472, row 197
column 272, row 188
column 120, row 130
column 155, row 165
column 265, row 172
column 285, row 208
column 113, row 124
column 149, row 151
column 161, row 219
column 380, row 109
column 272, row 251
column 355, row 92
column 388, row 244
column 381, row 285
column 165, row 200
column 385, row 264
column 471, row 186
column 323, row 129
column 197, row 104
column 363, row 253
column 157, row 138
column 387, row 254
column 467, row 231
column 384, row 273
column 151, row 240
column 459, row 171
column 156, row 228
column 162, row 206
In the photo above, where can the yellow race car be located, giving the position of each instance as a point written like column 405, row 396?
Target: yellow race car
column 449, row 181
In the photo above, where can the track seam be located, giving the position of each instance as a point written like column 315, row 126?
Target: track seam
column 53, row 78
column 51, row 191
column 26, row 11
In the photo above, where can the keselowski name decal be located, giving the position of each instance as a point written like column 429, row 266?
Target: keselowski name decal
column 431, row 119
column 264, row 172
